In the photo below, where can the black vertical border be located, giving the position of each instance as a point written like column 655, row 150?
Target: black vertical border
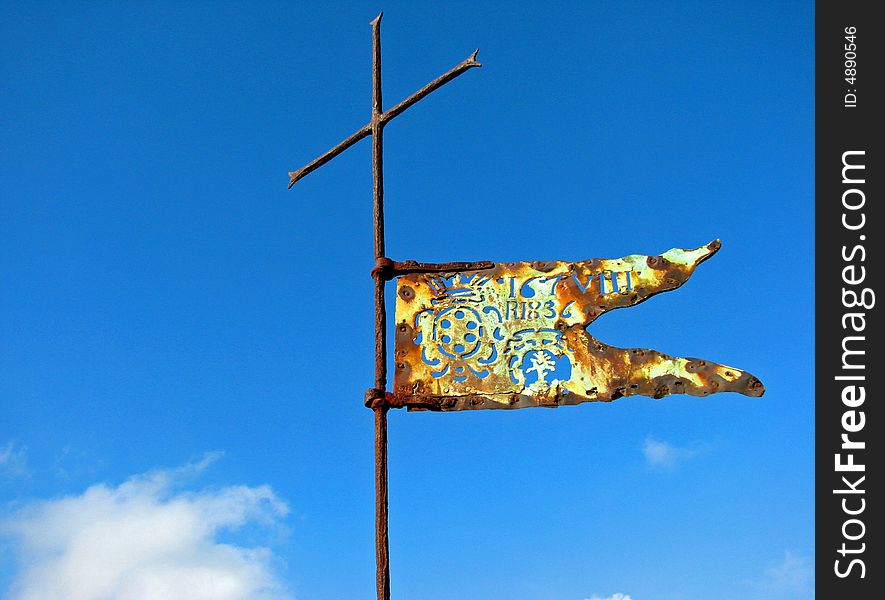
column 839, row 129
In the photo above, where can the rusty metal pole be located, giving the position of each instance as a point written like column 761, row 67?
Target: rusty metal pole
column 385, row 269
column 382, row 543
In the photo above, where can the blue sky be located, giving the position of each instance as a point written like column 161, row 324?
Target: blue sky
column 185, row 344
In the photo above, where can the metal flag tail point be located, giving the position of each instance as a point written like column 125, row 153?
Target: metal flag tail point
column 474, row 335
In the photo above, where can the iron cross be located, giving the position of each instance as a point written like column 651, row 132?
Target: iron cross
column 385, row 269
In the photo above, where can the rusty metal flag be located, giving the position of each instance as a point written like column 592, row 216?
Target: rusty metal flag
column 513, row 336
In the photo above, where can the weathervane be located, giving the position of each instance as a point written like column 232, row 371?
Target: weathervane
column 480, row 335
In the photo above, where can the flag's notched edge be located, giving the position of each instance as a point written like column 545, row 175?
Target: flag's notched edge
column 579, row 292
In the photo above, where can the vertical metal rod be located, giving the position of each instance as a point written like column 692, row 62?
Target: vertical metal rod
column 375, row 128
column 377, row 142
column 382, row 551
column 382, row 544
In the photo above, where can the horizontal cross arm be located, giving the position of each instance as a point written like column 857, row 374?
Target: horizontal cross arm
column 465, row 65
column 364, row 131
column 367, row 129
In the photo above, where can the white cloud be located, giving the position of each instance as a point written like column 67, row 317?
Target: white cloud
column 615, row 596
column 12, row 459
column 143, row 540
column 792, row 576
column 663, row 454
